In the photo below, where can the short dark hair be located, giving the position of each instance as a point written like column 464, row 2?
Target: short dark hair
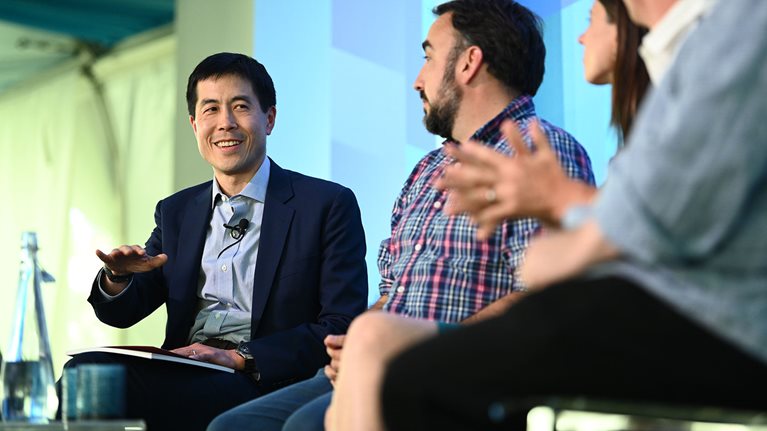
column 232, row 64
column 509, row 35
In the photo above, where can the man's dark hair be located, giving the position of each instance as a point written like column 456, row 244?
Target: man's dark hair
column 509, row 35
column 231, row 64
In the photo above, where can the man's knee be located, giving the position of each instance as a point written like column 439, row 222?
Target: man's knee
column 248, row 416
column 310, row 417
column 222, row 422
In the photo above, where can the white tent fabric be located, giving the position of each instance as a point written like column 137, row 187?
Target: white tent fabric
column 85, row 177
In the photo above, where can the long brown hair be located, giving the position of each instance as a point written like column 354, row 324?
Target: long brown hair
column 630, row 77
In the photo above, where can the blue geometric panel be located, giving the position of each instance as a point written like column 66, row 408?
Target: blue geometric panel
column 376, row 181
column 372, row 30
column 548, row 101
column 300, row 67
column 546, row 8
column 367, row 104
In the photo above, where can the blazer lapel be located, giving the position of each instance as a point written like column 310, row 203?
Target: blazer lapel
column 190, row 246
column 274, row 230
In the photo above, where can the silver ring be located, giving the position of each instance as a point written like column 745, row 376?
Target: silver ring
column 490, row 195
column 194, row 352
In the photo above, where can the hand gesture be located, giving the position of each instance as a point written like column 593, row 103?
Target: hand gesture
column 128, row 259
column 492, row 187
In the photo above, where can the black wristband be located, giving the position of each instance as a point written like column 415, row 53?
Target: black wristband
column 116, row 278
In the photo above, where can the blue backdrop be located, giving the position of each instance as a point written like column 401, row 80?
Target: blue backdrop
column 346, row 110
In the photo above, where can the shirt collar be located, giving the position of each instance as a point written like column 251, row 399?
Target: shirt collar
column 255, row 189
column 520, row 108
column 660, row 45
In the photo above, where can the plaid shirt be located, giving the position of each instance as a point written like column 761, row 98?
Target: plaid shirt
column 433, row 267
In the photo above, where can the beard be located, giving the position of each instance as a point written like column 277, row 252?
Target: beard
column 440, row 119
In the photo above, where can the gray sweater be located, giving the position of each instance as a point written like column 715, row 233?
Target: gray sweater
column 686, row 200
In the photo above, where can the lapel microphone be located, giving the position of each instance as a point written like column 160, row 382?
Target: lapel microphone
column 239, row 229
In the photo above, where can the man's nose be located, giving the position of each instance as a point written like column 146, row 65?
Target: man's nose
column 227, row 120
column 418, row 83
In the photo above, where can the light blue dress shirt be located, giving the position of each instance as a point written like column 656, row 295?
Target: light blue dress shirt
column 225, row 288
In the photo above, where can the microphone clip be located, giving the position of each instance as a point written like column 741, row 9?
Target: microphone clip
column 238, row 231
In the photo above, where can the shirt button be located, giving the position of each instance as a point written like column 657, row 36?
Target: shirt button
column 400, row 289
column 438, row 205
column 418, row 247
column 223, row 268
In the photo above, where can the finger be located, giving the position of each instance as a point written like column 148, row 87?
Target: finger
column 330, row 373
column 335, row 341
column 106, row 258
column 467, row 201
column 335, row 365
column 138, row 250
column 158, row 261
column 452, row 150
column 485, row 231
column 329, row 339
column 514, row 138
column 462, row 176
column 183, row 351
column 464, row 153
column 489, row 219
column 126, row 251
column 453, row 177
column 334, row 353
column 123, row 249
column 540, row 140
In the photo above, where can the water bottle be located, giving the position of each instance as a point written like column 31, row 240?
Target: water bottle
column 1, row 387
column 29, row 392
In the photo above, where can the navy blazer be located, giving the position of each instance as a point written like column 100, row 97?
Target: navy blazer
column 310, row 274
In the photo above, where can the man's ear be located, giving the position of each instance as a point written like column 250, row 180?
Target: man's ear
column 194, row 125
column 469, row 64
column 271, row 117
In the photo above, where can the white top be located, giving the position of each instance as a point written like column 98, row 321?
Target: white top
column 660, row 46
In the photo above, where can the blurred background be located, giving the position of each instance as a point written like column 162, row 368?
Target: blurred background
column 94, row 129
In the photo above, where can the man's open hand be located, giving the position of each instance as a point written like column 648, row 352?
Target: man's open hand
column 128, row 259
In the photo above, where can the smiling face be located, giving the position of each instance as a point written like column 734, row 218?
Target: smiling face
column 436, row 84
column 231, row 128
column 600, row 46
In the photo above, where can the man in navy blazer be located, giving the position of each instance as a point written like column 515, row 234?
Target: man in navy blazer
column 255, row 268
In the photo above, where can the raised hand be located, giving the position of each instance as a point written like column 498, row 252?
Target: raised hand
column 492, row 187
column 128, row 259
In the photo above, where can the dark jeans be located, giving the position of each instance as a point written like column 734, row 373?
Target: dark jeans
column 171, row 396
column 603, row 339
column 298, row 407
